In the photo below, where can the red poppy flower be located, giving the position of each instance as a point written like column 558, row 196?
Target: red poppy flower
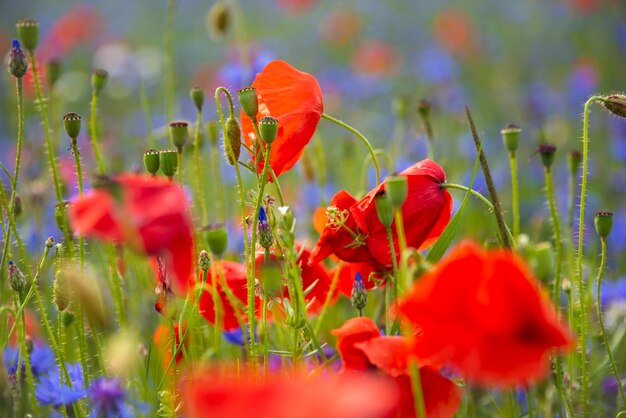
column 234, row 276
column 362, row 348
column 236, row 395
column 150, row 215
column 484, row 313
column 377, row 58
column 295, row 99
column 426, row 212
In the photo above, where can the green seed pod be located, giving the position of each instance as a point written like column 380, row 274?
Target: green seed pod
column 510, row 137
column 217, row 238
column 204, row 261
column 98, row 80
column 28, row 33
column 547, row 155
column 197, row 95
column 18, row 63
column 61, row 292
column 268, row 129
column 169, row 162
column 179, row 132
column 249, row 101
column 604, row 223
column 384, row 210
column 53, row 72
column 232, row 141
column 213, row 129
column 397, row 188
column 616, row 104
column 71, row 121
column 151, row 160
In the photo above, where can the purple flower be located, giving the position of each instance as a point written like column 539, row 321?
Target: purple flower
column 41, row 359
column 51, row 391
column 108, row 399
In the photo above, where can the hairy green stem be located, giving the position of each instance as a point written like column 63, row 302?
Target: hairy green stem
column 515, row 195
column 93, row 127
column 199, row 183
column 558, row 244
column 79, row 174
column 21, row 331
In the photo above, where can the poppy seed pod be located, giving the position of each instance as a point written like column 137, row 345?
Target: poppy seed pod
column 547, row 155
column 212, row 127
column 249, row 101
column 61, row 292
column 615, row 103
column 574, row 158
column 268, row 129
column 384, row 209
column 179, row 131
column 151, row 161
column 604, row 223
column 169, row 162
column 53, row 72
column 217, row 238
column 98, row 80
column 232, row 140
column 71, row 121
column 397, row 188
column 28, row 32
column 510, row 137
column 18, row 63
column 197, row 95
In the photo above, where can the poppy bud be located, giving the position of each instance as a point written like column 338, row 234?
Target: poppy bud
column 18, row 63
column 397, row 188
column 49, row 242
column 615, row 103
column 384, row 210
column 61, row 292
column 98, row 80
column 179, row 131
column 28, row 32
column 423, row 108
column 217, row 238
column 169, row 162
column 574, row 158
column 232, row 140
column 266, row 239
column 359, row 294
column 249, row 101
column 71, row 121
column 151, row 161
column 268, row 128
column 204, row 261
column 219, row 19
column 213, row 129
column 53, row 72
column 567, row 286
column 17, row 280
column 510, row 137
column 547, row 155
column 197, row 95
column 17, row 209
column 604, row 223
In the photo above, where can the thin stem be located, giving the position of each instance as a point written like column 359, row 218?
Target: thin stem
column 93, row 127
column 393, row 286
column 281, row 199
column 416, row 385
column 367, row 161
column 515, row 195
column 179, row 158
column 21, row 331
column 605, row 337
column 558, row 245
column 401, row 277
column 79, row 174
column 362, row 138
column 170, row 78
column 199, row 182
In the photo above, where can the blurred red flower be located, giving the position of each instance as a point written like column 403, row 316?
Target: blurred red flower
column 296, row 6
column 347, row 274
column 376, row 58
column 150, row 215
column 235, row 395
column 426, row 212
column 362, row 348
column 454, row 31
column 162, row 340
column 484, row 313
column 295, row 99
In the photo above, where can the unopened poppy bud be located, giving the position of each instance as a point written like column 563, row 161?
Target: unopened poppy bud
column 604, row 223
column 566, row 286
column 547, row 155
column 574, row 158
column 268, row 129
column 542, row 261
column 17, row 280
column 232, row 140
column 18, row 63
column 169, row 162
column 151, row 161
column 510, row 137
column 179, row 131
column 384, row 210
column 219, row 19
column 213, row 130
column 359, row 294
column 49, row 243
column 266, row 239
column 423, row 108
column 53, row 72
column 397, row 188
column 71, row 121
column 197, row 95
column 249, row 101
column 28, row 32
column 204, row 261
column 61, row 292
column 217, row 238
column 17, row 209
column 98, row 80
column 615, row 103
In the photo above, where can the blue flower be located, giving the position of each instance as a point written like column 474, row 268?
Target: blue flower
column 50, row 390
column 41, row 359
column 108, row 399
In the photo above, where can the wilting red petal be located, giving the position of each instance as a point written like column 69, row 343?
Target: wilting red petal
column 483, row 313
column 295, row 99
column 352, row 332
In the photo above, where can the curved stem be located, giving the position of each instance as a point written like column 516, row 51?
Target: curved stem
column 368, row 159
column 93, row 127
column 605, row 337
column 362, row 138
column 416, row 385
column 199, row 183
column 515, row 195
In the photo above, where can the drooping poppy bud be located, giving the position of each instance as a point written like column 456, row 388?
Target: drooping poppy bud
column 18, row 63
column 169, row 163
column 179, row 132
column 53, row 72
column 151, row 161
column 17, row 209
column 219, row 19
column 232, row 141
column 197, row 95
column 268, row 128
column 547, row 155
column 574, row 157
column 397, row 188
column 98, row 80
column 510, row 137
column 604, row 223
column 423, row 108
column 384, row 209
column 17, row 280
column 615, row 103
column 28, row 32
column 217, row 238
column 359, row 294
column 249, row 101
column 266, row 239
column 71, row 121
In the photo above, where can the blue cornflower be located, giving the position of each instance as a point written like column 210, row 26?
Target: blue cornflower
column 236, row 336
column 41, row 359
column 50, row 390
column 108, row 399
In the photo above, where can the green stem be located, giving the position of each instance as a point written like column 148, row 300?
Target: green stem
column 79, row 174
column 416, row 385
column 515, row 195
column 558, row 245
column 145, row 106
column 21, row 331
column 393, row 286
column 529, row 401
column 362, row 138
column 170, row 79
column 199, row 182
column 179, row 158
column 402, row 276
column 605, row 337
column 93, row 127
column 279, row 191
column 368, row 159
